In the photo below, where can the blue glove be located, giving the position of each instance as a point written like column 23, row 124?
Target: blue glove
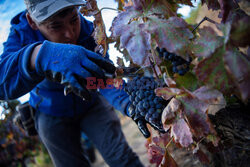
column 70, row 65
column 141, row 122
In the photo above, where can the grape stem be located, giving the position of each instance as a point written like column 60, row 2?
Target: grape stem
column 169, row 142
column 152, row 66
column 109, row 9
column 204, row 19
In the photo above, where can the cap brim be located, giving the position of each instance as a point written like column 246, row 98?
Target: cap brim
column 49, row 9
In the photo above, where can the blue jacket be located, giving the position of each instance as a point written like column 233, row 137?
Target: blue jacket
column 16, row 79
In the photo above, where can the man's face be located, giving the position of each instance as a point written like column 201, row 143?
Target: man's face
column 62, row 29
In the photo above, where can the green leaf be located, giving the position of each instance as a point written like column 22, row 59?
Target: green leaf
column 211, row 71
column 172, row 34
column 188, row 81
column 238, row 67
column 207, row 42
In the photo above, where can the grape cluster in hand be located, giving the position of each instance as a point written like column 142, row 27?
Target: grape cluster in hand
column 180, row 65
column 144, row 101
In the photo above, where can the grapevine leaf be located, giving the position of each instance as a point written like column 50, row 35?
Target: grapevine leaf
column 137, row 42
column 169, row 81
column 225, row 28
column 240, row 32
column 100, row 34
column 181, row 132
column 211, row 71
column 168, row 93
column 139, row 4
column 188, row 81
column 202, row 157
column 207, row 43
column 211, row 4
column 213, row 138
column 161, row 9
column 210, row 96
column 162, row 140
column 172, row 34
column 122, row 20
column 226, row 7
column 185, row 2
column 170, row 112
column 156, row 154
column 238, row 68
column 195, row 112
column 168, row 160
column 91, row 9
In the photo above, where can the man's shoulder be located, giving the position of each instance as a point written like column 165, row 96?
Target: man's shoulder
column 20, row 18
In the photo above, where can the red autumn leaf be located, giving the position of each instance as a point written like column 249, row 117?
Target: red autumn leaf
column 184, row 2
column 226, row 7
column 99, row 34
column 210, row 96
column 172, row 34
column 238, row 67
column 156, row 154
column 169, row 81
column 240, row 32
column 181, row 132
column 211, row 4
column 170, row 113
column 168, row 93
column 122, row 20
column 202, row 157
column 168, row 160
column 195, row 112
column 211, row 71
column 162, row 140
column 137, row 42
column 207, row 42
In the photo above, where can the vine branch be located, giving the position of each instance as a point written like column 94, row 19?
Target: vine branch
column 204, row 19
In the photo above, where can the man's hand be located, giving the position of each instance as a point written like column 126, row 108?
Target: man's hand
column 70, row 65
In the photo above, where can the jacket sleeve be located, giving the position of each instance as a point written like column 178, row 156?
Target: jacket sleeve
column 117, row 97
column 16, row 79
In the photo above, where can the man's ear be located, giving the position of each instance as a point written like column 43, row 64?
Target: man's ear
column 31, row 22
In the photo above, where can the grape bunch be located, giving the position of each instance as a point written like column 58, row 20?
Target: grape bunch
column 180, row 65
column 144, row 101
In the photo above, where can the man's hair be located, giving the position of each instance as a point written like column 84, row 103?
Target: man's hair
column 60, row 14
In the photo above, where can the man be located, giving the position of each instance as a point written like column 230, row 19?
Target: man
column 49, row 53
